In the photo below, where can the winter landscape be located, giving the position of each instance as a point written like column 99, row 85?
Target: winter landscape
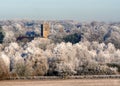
column 71, row 48
column 59, row 43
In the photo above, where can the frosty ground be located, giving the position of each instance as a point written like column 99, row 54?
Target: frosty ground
column 71, row 82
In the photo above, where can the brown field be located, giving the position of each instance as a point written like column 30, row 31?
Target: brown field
column 74, row 82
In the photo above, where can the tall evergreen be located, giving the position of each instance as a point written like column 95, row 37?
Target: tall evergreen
column 1, row 35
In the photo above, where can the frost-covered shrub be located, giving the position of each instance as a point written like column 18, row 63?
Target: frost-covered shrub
column 20, row 69
column 95, row 69
column 4, row 71
column 40, row 43
column 5, row 60
column 62, row 62
column 40, row 67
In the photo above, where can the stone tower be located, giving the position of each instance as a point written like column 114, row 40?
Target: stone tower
column 45, row 29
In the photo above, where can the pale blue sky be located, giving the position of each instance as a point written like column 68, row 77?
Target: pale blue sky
column 82, row 10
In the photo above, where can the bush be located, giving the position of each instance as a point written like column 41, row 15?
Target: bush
column 95, row 69
column 23, row 69
column 40, row 67
column 20, row 69
column 114, row 65
column 4, row 71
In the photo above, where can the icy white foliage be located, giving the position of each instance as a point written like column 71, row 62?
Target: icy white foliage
column 6, row 59
column 66, row 55
column 60, row 59
column 100, row 46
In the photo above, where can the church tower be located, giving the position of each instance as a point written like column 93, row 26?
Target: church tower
column 45, row 29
